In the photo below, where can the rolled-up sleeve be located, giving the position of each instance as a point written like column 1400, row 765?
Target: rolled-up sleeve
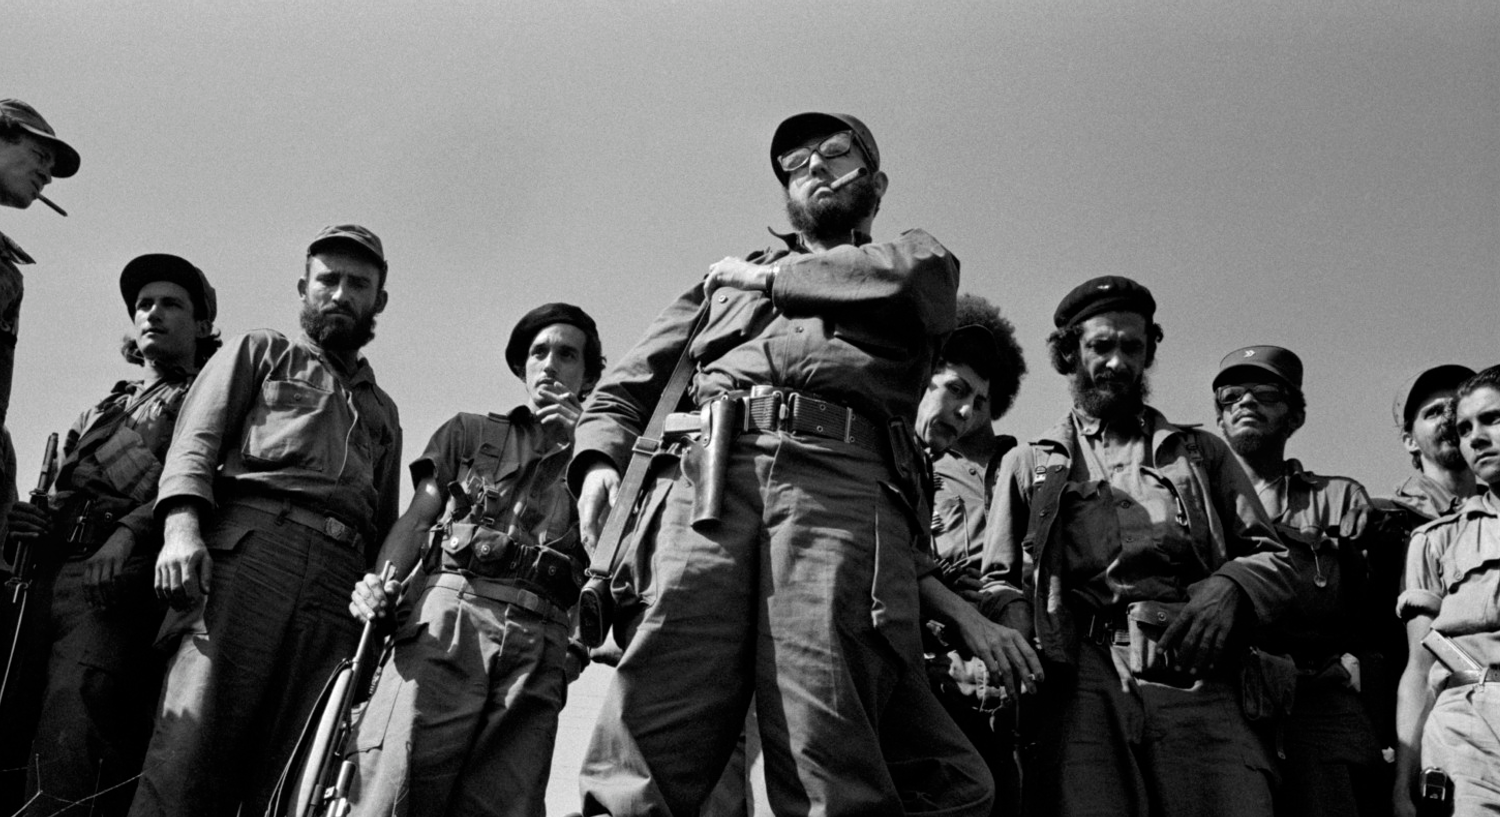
column 1422, row 588
column 213, row 411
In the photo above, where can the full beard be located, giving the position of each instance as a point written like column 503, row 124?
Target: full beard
column 1109, row 400
column 834, row 218
column 334, row 335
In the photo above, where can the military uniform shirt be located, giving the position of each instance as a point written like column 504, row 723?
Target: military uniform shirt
column 274, row 417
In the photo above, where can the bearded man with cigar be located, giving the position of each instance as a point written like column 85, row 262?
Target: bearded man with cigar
column 784, row 562
column 282, row 478
column 1136, row 552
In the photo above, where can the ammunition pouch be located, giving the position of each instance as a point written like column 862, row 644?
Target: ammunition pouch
column 478, row 551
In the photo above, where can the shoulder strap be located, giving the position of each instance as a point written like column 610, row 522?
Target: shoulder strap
column 646, row 445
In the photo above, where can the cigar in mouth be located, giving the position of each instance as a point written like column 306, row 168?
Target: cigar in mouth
column 848, row 177
column 44, row 200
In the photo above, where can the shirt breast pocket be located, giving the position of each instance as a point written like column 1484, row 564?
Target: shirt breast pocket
column 283, row 427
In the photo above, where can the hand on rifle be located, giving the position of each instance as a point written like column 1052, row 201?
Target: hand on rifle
column 101, row 573
column 372, row 599
column 27, row 521
column 600, row 489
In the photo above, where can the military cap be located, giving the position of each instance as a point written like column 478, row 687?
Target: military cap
column 1283, row 363
column 350, row 236
column 65, row 158
column 538, row 319
column 144, row 269
column 1411, row 394
column 1108, row 293
column 796, row 130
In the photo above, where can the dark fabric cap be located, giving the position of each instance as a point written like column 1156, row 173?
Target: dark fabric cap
column 65, row 158
column 538, row 319
column 798, row 129
column 974, row 346
column 1411, row 394
column 350, row 236
column 144, row 269
column 1108, row 293
column 1283, row 363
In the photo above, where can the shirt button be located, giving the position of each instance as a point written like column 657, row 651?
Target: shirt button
column 799, row 330
column 723, row 299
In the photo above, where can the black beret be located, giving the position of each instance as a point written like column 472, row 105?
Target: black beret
column 538, row 319
column 1108, row 293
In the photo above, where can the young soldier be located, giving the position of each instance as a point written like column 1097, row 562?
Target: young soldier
column 283, row 472
column 1448, row 717
column 97, row 548
column 1332, row 758
column 463, row 718
column 803, row 590
column 1146, row 556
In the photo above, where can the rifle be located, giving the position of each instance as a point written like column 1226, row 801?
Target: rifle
column 23, row 565
column 319, row 780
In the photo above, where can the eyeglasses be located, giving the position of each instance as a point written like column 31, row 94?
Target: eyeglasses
column 835, row 145
column 1227, row 396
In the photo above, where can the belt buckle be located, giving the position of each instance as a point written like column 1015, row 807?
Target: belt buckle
column 337, row 530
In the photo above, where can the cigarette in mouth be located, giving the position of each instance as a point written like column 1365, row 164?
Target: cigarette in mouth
column 842, row 180
column 44, row 200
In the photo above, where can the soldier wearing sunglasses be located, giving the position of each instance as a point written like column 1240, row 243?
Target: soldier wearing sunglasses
column 803, row 592
column 1333, row 761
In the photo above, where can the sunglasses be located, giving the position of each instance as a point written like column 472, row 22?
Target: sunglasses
column 1230, row 395
column 835, row 145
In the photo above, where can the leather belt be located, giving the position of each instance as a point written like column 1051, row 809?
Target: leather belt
column 1466, row 677
column 283, row 509
column 503, row 593
column 769, row 410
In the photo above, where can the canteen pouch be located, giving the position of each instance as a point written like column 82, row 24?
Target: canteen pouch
column 1268, row 685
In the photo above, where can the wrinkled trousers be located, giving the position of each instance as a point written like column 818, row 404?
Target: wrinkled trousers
column 277, row 625
column 102, row 679
column 1462, row 737
column 464, row 715
column 1156, row 751
column 804, row 595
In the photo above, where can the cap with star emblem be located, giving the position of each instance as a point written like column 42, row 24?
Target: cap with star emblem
column 1108, row 293
column 1283, row 363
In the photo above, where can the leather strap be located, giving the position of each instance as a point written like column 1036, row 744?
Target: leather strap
column 607, row 550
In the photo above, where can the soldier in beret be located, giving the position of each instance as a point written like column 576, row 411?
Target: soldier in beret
column 486, row 618
column 1146, row 558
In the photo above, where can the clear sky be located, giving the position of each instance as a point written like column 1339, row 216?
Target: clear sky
column 1323, row 176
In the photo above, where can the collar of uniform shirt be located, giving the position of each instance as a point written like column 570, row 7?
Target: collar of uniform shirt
column 1093, row 426
column 794, row 240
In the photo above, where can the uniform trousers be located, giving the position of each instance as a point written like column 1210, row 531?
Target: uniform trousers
column 464, row 715
column 278, row 625
column 1333, row 766
column 1462, row 737
column 1156, row 751
column 102, row 678
column 804, row 595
